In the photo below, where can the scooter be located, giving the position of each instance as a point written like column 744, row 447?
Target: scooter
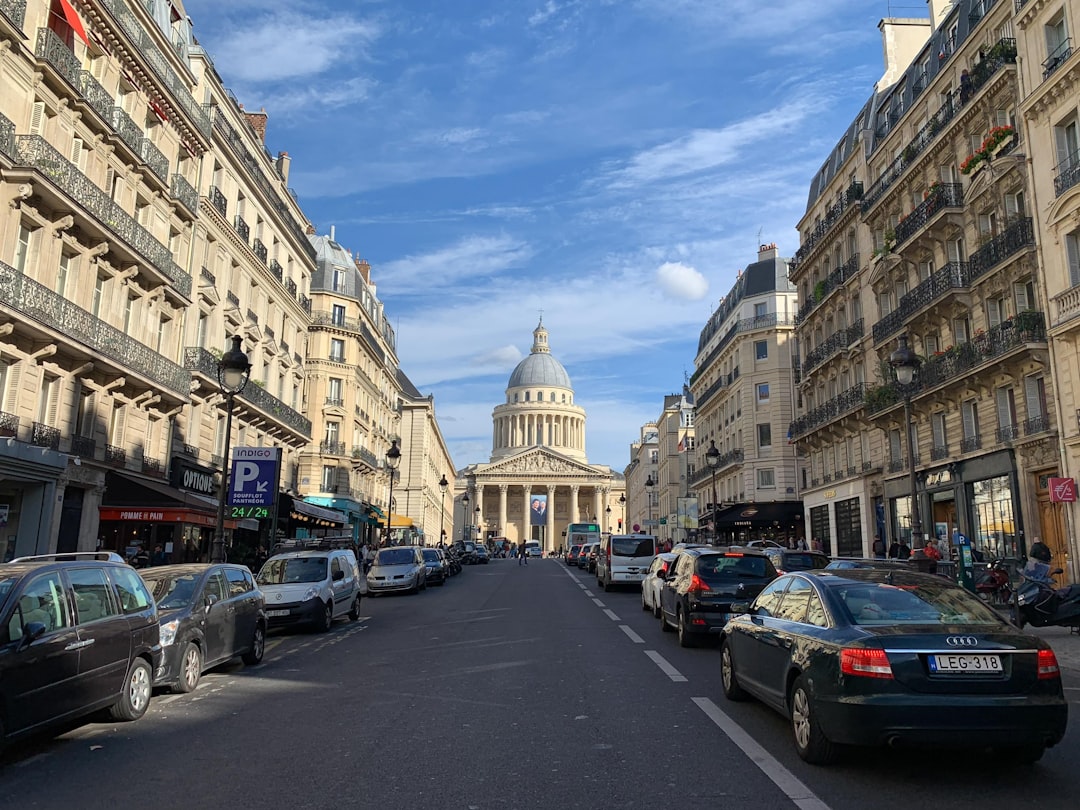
column 993, row 583
column 1040, row 604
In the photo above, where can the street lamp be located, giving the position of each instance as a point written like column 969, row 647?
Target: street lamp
column 712, row 458
column 906, row 363
column 622, row 501
column 464, row 517
column 393, row 459
column 443, row 484
column 477, row 521
column 608, row 510
column 233, row 371
column 649, row 484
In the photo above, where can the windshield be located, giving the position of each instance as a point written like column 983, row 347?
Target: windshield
column 286, row 570
column 172, row 590
column 633, row 547
column 720, row 566
column 870, row 603
column 395, row 556
column 431, row 555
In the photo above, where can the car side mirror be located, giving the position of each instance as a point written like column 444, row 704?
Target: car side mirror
column 32, row 631
column 337, row 576
column 740, row 609
column 211, row 600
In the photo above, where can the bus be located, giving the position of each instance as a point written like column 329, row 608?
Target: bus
column 578, row 533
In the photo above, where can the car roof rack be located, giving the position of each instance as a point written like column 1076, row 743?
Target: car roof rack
column 313, row 544
column 72, row 556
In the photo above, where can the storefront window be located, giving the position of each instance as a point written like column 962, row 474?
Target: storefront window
column 902, row 519
column 994, row 532
column 849, row 535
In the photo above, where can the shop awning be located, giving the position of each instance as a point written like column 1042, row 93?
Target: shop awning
column 785, row 514
column 139, row 499
column 308, row 513
column 397, row 521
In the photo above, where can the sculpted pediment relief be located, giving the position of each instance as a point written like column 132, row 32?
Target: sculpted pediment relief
column 539, row 462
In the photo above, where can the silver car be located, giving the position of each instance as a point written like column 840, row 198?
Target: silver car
column 397, row 568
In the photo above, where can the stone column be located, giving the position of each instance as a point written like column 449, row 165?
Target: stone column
column 549, row 530
column 480, row 505
column 597, row 512
column 526, row 532
column 573, row 503
column 502, row 510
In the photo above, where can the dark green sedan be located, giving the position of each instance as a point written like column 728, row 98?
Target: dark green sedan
column 880, row 657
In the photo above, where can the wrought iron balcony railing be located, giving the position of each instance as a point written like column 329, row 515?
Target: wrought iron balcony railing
column 365, row 455
column 95, row 95
column 1057, row 57
column 252, row 316
column 835, row 343
column 305, row 303
column 1017, row 236
column 1007, row 433
column 722, row 382
column 153, row 466
column 233, row 298
column 39, row 303
column 158, row 163
column 1067, row 174
column 36, row 152
column 259, row 249
column 1036, row 424
column 42, row 435
column 970, row 444
column 52, row 49
column 978, row 11
column 7, row 136
column 332, row 448
column 939, row 452
column 190, row 450
column 268, row 331
column 840, row 405
column 290, row 287
column 185, row 194
column 335, row 402
column 83, row 446
column 202, row 361
column 831, row 282
column 954, row 275
column 15, row 11
column 744, row 325
column 242, row 228
column 945, row 195
column 208, row 277
column 9, row 425
column 116, row 456
column 275, row 268
column 219, row 201
column 127, row 129
column 831, row 216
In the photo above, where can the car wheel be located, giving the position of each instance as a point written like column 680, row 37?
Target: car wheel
column 686, row 637
column 322, row 624
column 190, row 669
column 663, row 622
column 135, row 696
column 728, row 679
column 354, row 611
column 810, row 743
column 258, row 646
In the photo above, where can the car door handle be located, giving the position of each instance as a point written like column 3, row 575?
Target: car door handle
column 78, row 645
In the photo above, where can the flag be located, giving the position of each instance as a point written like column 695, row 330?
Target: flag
column 73, row 20
column 790, row 438
column 682, row 445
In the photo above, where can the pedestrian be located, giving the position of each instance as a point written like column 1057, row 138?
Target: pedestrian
column 815, row 544
column 878, row 547
column 141, row 559
column 1040, row 551
column 159, row 555
column 522, row 558
column 894, row 550
column 905, row 550
column 966, row 87
column 801, row 544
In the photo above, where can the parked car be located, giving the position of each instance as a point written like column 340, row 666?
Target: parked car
column 78, row 633
column 624, row 559
column 790, row 559
column 397, row 568
column 875, row 657
column 847, row 563
column 572, row 554
column 438, row 570
column 311, row 583
column 591, row 557
column 701, row 585
column 481, row 554
column 654, row 579
column 209, row 614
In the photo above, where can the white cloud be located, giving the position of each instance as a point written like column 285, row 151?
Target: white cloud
column 544, row 13
column 469, row 260
column 681, row 281
column 327, row 95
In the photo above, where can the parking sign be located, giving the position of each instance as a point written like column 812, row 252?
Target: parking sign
column 254, row 476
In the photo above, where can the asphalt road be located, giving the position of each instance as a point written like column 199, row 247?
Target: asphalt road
column 511, row 687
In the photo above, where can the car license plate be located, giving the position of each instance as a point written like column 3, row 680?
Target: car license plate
column 277, row 613
column 953, row 663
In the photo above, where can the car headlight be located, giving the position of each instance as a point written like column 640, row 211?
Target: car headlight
column 168, row 632
column 311, row 593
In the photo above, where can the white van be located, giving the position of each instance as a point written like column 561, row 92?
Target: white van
column 624, row 559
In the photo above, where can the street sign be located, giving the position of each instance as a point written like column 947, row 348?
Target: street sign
column 254, row 476
column 1062, row 490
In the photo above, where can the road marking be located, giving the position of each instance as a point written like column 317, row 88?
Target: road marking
column 611, row 615
column 634, row 637
column 665, row 667
column 800, row 794
column 589, row 593
column 599, row 603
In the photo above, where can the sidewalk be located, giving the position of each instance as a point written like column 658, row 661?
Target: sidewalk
column 1066, row 645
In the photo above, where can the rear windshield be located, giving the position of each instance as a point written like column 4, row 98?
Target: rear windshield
column 172, row 590
column 719, row 566
column 396, row 556
column 575, row 549
column 633, row 547
column 924, row 603
column 793, row 561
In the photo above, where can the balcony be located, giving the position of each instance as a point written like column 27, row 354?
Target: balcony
column 365, row 455
column 1007, row 433
column 201, row 361
column 269, row 332
column 833, row 215
column 233, row 299
column 260, row 250
column 1016, row 237
column 1057, row 58
column 15, row 11
column 115, row 456
column 96, row 96
column 185, row 194
column 722, row 382
column 153, row 466
column 840, row 405
column 290, row 287
column 939, row 452
column 127, row 129
column 831, row 282
column 943, row 195
column 252, row 316
column 83, row 446
column 9, row 425
column 83, row 195
column 305, row 303
column 1036, row 424
column 979, row 11
column 242, row 228
column 7, row 136
column 42, row 435
column 954, row 275
column 208, row 277
column 1067, row 174
column 335, row 402
column 37, row 302
column 190, row 450
column 332, row 448
column 835, row 343
column 969, row 444
column 217, row 199
column 276, row 269
column 153, row 157
column 51, row 49
column 1003, row 52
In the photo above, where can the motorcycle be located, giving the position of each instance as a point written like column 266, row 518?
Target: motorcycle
column 1040, row 604
column 993, row 583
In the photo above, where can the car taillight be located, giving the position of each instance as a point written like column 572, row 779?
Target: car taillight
column 867, row 663
column 697, row 585
column 1048, row 665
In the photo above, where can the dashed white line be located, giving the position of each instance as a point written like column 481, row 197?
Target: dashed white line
column 611, row 615
column 665, row 667
column 599, row 603
column 634, row 637
column 800, row 794
column 588, row 592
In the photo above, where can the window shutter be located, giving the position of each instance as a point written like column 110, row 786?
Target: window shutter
column 1033, row 396
column 1020, row 294
column 938, row 426
column 1004, row 409
column 1001, row 118
column 932, row 345
column 110, row 183
column 11, row 394
column 993, row 312
column 1072, row 247
column 971, row 422
column 37, row 118
column 894, row 445
column 53, row 404
column 77, row 152
column 1014, row 206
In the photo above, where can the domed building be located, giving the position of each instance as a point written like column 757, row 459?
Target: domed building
column 538, row 479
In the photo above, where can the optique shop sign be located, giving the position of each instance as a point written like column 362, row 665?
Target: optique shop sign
column 194, row 479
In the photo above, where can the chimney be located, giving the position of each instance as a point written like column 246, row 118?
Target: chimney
column 258, row 122
column 333, row 231
column 769, row 251
column 282, row 164
column 364, row 268
column 901, row 40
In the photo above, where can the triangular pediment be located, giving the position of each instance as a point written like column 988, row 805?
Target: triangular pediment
column 538, row 461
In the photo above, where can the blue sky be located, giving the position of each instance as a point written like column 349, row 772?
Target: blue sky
column 608, row 162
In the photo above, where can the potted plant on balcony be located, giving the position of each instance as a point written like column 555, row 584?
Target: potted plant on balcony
column 933, row 190
column 999, row 139
column 819, row 291
column 887, row 244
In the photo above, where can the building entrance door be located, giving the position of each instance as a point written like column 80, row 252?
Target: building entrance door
column 1051, row 527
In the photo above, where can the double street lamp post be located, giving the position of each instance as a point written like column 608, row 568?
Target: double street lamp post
column 622, row 502
column 233, row 370
column 393, row 459
column 443, row 485
column 649, row 484
column 464, row 517
column 608, row 511
column 712, row 458
column 906, row 363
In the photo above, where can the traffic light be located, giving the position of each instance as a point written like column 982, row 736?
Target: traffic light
column 620, row 524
